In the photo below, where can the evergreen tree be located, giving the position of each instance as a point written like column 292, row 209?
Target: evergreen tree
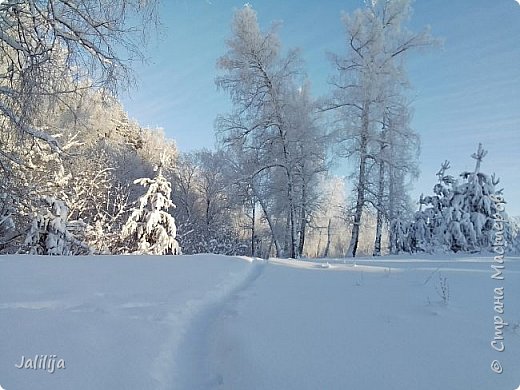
column 419, row 231
column 150, row 229
column 460, row 214
column 515, row 232
column 398, row 235
column 48, row 234
column 477, row 189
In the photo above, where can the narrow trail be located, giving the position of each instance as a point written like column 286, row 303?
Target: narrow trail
column 194, row 369
column 298, row 326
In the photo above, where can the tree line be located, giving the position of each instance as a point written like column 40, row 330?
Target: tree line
column 78, row 176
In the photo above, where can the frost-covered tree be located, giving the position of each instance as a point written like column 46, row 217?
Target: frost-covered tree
column 49, row 231
column 393, row 165
column 515, row 231
column 7, row 225
column 369, row 77
column 460, row 214
column 49, row 49
column 101, row 152
column 473, row 206
column 209, row 209
column 328, row 226
column 399, row 238
column 271, row 129
column 419, row 235
column 150, row 229
column 308, row 147
column 257, row 78
column 59, row 63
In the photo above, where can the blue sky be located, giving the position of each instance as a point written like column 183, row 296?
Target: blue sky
column 464, row 93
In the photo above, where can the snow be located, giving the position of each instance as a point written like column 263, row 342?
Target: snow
column 367, row 330
column 217, row 322
column 116, row 321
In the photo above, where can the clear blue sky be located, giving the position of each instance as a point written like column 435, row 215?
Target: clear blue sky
column 464, row 93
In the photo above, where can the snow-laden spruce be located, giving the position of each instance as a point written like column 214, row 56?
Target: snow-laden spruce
column 459, row 215
column 150, row 229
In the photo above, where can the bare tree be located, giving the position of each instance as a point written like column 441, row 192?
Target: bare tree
column 366, row 84
column 395, row 163
column 258, row 80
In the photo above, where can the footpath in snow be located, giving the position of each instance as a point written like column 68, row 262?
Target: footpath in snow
column 117, row 322
column 216, row 322
column 373, row 325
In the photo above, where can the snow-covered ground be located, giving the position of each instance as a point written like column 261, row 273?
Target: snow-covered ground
column 216, row 322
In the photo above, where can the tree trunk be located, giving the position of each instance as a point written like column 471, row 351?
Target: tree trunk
column 327, row 248
column 303, row 227
column 303, row 221
column 360, row 201
column 271, row 227
column 380, row 199
column 292, row 212
column 253, row 233
column 379, row 218
column 208, row 204
column 391, row 212
column 287, row 234
column 290, row 186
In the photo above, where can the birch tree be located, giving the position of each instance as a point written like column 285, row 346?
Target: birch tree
column 395, row 158
column 367, row 80
column 259, row 79
column 308, row 146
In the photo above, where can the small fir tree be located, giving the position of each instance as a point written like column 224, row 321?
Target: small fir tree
column 150, row 229
column 460, row 214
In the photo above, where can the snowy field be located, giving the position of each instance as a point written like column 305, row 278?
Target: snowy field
column 215, row 322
